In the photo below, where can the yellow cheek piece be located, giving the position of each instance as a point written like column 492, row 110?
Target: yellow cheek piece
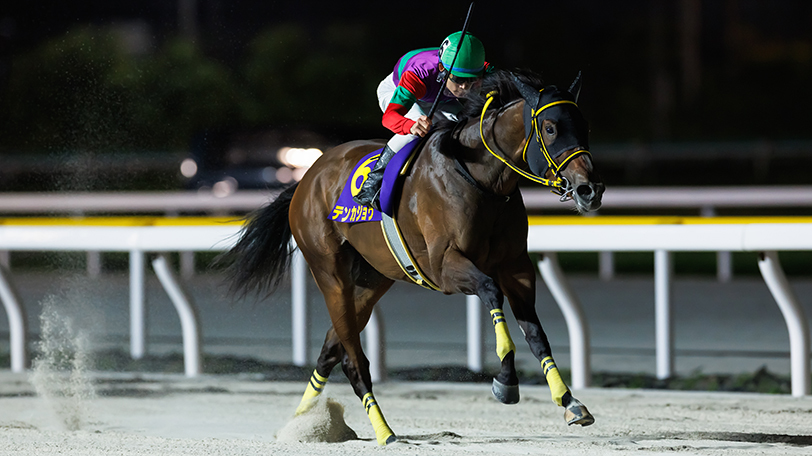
column 556, row 183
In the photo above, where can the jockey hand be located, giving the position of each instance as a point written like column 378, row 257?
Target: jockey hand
column 421, row 126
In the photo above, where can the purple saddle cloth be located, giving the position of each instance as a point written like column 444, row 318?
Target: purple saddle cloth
column 346, row 210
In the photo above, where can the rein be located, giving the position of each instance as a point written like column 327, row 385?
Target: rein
column 559, row 183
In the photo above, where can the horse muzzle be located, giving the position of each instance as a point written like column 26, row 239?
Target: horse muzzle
column 588, row 196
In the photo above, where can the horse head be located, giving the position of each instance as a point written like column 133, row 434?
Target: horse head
column 557, row 146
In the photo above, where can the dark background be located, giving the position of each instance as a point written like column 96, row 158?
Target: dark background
column 676, row 91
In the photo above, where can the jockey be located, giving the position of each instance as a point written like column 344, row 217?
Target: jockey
column 406, row 96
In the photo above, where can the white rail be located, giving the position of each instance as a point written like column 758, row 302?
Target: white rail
column 535, row 198
column 705, row 200
column 137, row 241
column 595, row 234
column 703, row 236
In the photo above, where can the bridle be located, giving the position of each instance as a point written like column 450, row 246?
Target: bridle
column 559, row 184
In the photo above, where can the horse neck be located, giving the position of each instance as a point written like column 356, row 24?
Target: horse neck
column 503, row 130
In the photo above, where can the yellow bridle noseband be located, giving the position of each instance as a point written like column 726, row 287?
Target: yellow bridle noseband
column 558, row 183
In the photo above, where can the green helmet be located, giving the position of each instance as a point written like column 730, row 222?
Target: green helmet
column 471, row 59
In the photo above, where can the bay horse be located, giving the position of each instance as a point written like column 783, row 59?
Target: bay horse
column 460, row 214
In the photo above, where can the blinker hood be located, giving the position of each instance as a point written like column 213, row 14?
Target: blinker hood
column 571, row 132
column 570, row 124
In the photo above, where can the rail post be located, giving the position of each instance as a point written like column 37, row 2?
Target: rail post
column 475, row 332
column 794, row 316
column 300, row 341
column 17, row 326
column 189, row 320
column 664, row 325
column 138, row 313
column 376, row 346
column 577, row 325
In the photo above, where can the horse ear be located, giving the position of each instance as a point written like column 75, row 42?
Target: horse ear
column 530, row 94
column 575, row 88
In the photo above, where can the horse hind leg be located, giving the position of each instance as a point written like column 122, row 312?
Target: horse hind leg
column 331, row 354
column 369, row 288
column 350, row 307
column 356, row 366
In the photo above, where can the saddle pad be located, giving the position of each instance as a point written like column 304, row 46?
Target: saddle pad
column 346, row 210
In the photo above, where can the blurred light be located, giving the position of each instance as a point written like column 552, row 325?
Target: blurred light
column 188, row 167
column 224, row 187
column 284, row 175
column 297, row 157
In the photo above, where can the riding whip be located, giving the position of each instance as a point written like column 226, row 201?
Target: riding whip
column 448, row 70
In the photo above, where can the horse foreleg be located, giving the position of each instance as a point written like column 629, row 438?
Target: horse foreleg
column 574, row 411
column 505, row 387
column 521, row 293
column 461, row 275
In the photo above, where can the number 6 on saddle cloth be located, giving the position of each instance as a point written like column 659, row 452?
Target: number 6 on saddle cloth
column 346, row 210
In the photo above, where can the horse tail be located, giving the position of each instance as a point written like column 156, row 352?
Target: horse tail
column 261, row 257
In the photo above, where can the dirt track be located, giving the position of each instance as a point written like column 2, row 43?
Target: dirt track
column 229, row 415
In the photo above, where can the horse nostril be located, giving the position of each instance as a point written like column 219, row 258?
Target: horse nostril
column 584, row 190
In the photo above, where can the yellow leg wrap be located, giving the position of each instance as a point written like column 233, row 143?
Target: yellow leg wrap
column 504, row 344
column 557, row 386
column 314, row 388
column 383, row 433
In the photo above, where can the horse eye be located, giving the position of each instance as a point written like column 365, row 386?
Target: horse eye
column 550, row 130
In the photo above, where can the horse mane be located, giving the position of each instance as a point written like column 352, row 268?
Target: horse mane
column 501, row 81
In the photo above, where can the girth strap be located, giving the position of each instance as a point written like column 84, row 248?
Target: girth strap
column 396, row 244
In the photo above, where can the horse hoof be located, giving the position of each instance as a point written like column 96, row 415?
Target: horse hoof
column 506, row 394
column 576, row 413
column 391, row 439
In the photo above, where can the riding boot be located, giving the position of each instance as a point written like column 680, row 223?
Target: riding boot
column 371, row 188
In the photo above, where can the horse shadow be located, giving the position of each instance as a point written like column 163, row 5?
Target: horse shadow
column 448, row 437
column 757, row 437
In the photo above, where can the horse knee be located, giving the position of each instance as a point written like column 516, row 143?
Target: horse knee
column 490, row 294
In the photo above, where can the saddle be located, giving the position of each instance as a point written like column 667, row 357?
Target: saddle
column 346, row 210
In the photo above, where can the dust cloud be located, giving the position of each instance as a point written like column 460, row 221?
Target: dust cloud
column 60, row 372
